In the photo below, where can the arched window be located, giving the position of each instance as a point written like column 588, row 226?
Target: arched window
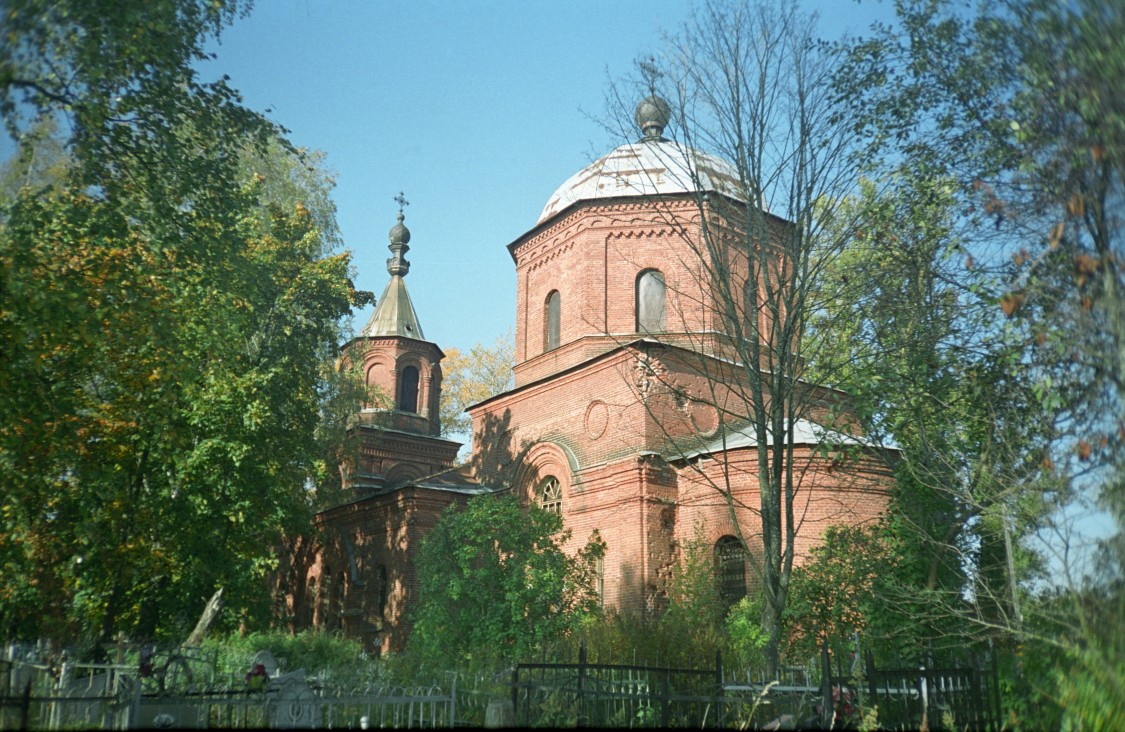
column 650, row 302
column 550, row 494
column 551, row 331
column 314, row 602
column 324, row 598
column 730, row 569
column 339, row 600
column 408, row 389
column 384, row 591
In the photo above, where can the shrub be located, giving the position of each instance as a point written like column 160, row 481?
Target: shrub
column 327, row 656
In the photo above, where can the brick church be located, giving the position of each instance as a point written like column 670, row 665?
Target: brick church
column 620, row 418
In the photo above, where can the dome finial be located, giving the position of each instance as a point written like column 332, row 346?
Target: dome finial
column 400, row 237
column 652, row 117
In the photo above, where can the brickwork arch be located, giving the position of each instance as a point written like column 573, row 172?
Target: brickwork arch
column 544, row 460
column 422, row 389
column 402, row 473
column 378, row 373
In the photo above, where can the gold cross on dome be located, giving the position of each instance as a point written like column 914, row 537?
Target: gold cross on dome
column 400, row 199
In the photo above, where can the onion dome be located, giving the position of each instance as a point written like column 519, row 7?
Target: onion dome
column 394, row 314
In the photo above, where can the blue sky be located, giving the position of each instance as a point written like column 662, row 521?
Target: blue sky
column 476, row 110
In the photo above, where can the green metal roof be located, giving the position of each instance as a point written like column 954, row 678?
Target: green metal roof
column 394, row 315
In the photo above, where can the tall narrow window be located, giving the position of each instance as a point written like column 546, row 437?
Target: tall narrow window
column 408, row 389
column 339, row 600
column 550, row 495
column 730, row 569
column 551, row 332
column 599, row 570
column 650, row 302
column 384, row 591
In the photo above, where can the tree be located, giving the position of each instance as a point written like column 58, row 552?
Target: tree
column 918, row 351
column 483, row 372
column 496, row 583
column 1017, row 106
column 166, row 319
column 749, row 84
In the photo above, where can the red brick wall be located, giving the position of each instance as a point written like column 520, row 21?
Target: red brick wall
column 596, row 429
column 593, row 257
column 385, row 531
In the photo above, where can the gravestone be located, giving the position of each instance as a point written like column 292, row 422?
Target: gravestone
column 292, row 704
column 499, row 714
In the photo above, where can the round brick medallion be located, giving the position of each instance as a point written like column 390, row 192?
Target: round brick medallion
column 597, row 418
column 705, row 418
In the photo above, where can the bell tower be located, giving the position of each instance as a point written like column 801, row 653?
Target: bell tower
column 401, row 425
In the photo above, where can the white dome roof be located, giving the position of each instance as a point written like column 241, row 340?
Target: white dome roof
column 648, row 167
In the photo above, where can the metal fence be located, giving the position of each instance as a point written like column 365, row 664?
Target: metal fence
column 925, row 696
column 399, row 707
column 608, row 695
column 933, row 696
column 36, row 694
column 42, row 696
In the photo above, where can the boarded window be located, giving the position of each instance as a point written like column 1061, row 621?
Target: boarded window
column 551, row 333
column 730, row 569
column 650, row 302
column 408, row 390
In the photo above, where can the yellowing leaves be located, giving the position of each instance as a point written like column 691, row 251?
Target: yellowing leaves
column 1011, row 302
column 1056, row 235
column 1076, row 205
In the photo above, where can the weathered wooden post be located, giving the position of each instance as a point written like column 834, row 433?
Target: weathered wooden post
column 210, row 612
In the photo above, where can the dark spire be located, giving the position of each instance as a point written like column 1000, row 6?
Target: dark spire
column 400, row 238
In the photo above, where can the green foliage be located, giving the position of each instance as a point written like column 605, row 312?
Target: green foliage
column 747, row 638
column 168, row 313
column 695, row 625
column 1015, row 105
column 495, row 583
column 867, row 580
column 330, row 657
column 694, row 603
column 1091, row 689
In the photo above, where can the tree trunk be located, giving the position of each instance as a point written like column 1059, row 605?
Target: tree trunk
column 210, row 612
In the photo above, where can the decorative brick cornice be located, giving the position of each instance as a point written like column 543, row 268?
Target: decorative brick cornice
column 618, row 215
column 549, row 255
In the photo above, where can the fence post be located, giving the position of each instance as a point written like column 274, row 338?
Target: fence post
column 871, row 679
column 978, row 716
column 453, row 703
column 666, row 713
column 997, row 721
column 720, row 706
column 25, row 705
column 515, row 691
column 923, row 696
column 580, row 722
column 827, row 709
